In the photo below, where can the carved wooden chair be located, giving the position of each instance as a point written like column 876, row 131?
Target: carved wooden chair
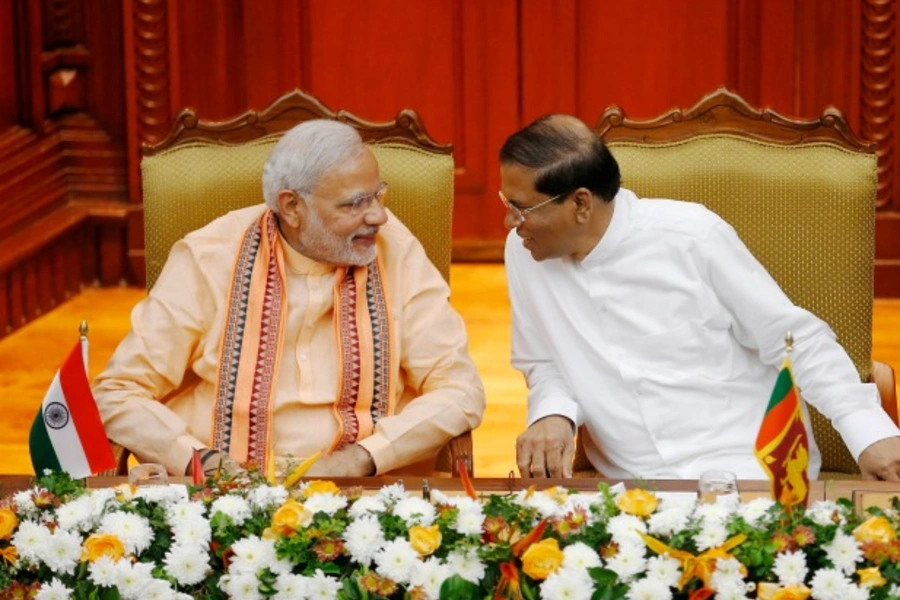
column 204, row 169
column 801, row 194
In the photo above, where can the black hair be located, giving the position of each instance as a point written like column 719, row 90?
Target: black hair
column 566, row 155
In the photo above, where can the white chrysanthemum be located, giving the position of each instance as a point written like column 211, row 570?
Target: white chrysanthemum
column 664, row 569
column 192, row 532
column 823, row 512
column 392, row 494
column 844, row 552
column 187, row 564
column 55, row 590
column 326, row 503
column 731, row 567
column 252, row 554
column 397, row 560
column 857, row 593
column 711, row 534
column 649, row 589
column 580, row 556
column 233, row 507
column 894, row 590
column 626, row 529
column 542, row 502
column 829, row 584
column 290, row 587
column 78, row 515
column 582, row 502
column 163, row 494
column 62, row 551
column 667, row 522
column 415, row 511
column 30, row 538
column 363, row 539
column 104, row 572
column 731, row 589
column 467, row 565
column 567, row 584
column 185, row 511
column 429, row 577
column 245, row 587
column 754, row 511
column 25, row 506
column 732, row 583
column 790, row 568
column 628, row 562
column 157, row 589
column 133, row 530
column 469, row 520
column 322, row 587
column 717, row 513
column 366, row 505
column 133, row 577
column 265, row 496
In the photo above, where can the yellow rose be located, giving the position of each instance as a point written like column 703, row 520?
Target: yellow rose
column 102, row 544
column 8, row 523
column 639, row 503
column 773, row 591
column 542, row 559
column 871, row 577
column 425, row 540
column 875, row 529
column 320, row 487
column 125, row 492
column 290, row 517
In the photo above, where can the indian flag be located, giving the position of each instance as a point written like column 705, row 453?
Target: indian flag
column 67, row 434
column 782, row 445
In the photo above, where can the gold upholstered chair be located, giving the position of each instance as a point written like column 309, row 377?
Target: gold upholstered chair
column 801, row 195
column 204, row 169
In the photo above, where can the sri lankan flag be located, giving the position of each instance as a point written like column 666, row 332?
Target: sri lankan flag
column 782, row 445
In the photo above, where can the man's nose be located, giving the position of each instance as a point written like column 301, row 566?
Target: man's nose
column 376, row 214
column 511, row 221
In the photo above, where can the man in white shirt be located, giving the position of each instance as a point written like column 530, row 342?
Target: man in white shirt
column 652, row 324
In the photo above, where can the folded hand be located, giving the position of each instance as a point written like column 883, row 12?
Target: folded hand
column 546, row 448
column 881, row 460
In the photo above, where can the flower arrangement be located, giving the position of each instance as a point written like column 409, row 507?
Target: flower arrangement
column 246, row 538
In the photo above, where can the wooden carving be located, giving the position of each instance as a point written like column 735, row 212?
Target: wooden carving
column 62, row 23
column 877, row 75
column 151, row 65
column 723, row 111
column 289, row 110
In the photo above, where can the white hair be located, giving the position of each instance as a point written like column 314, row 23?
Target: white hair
column 305, row 154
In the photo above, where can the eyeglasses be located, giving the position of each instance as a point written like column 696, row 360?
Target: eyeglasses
column 357, row 205
column 520, row 213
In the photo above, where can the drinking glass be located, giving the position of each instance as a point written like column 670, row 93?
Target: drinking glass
column 148, row 474
column 716, row 486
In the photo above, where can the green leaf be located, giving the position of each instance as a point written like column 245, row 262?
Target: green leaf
column 457, row 588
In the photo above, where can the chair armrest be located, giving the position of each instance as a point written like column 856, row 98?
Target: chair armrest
column 883, row 378
column 458, row 447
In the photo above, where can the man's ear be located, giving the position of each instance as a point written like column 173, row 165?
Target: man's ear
column 584, row 205
column 292, row 208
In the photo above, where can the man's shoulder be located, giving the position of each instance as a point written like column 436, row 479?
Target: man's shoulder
column 674, row 216
column 230, row 225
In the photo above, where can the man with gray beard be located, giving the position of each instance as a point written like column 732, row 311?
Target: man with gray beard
column 312, row 323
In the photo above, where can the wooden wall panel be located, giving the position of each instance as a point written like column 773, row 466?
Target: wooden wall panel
column 8, row 104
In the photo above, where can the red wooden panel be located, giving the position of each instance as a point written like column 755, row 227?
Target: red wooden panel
column 30, row 303
column 16, row 299
column 8, row 105
column 650, row 56
column 46, row 299
column 776, row 64
column 4, row 304
column 211, row 56
column 103, row 37
column 552, row 41
column 58, row 265
column 274, row 50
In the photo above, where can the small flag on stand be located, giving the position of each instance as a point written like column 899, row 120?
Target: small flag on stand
column 782, row 445
column 67, row 434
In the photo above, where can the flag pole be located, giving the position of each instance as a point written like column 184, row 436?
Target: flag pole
column 83, row 334
column 789, row 343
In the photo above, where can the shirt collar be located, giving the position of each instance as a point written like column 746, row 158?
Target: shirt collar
column 618, row 227
column 300, row 264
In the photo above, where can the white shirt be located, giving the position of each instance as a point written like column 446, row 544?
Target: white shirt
column 666, row 339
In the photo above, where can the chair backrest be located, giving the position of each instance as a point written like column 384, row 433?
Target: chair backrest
column 205, row 169
column 801, row 194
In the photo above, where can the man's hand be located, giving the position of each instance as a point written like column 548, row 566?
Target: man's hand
column 546, row 448
column 352, row 461
column 881, row 460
